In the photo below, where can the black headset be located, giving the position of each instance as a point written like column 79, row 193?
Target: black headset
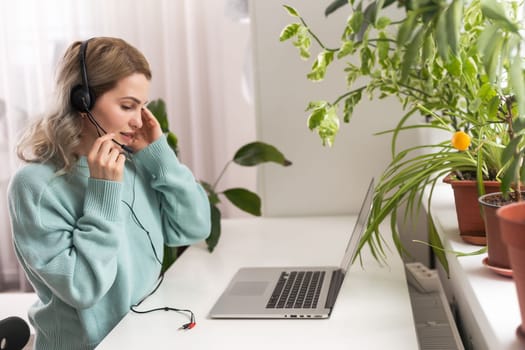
column 82, row 97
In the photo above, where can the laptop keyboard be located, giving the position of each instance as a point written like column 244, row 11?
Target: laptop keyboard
column 297, row 290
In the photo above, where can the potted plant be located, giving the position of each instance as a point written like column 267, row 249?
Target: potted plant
column 512, row 224
column 251, row 154
column 442, row 60
column 498, row 258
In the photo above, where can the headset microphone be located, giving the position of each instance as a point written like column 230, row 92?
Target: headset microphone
column 124, row 147
column 83, row 99
column 98, row 127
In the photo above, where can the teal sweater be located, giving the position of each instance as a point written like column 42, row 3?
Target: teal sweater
column 85, row 255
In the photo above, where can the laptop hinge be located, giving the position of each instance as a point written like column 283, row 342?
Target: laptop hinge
column 335, row 286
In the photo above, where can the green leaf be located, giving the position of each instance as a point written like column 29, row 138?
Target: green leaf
column 454, row 66
column 486, row 37
column 324, row 120
column 470, row 69
column 518, row 85
column 406, row 29
column 441, row 33
column 350, row 104
column 346, row 48
column 315, row 118
column 489, row 44
column 316, row 105
column 494, row 10
column 519, row 124
column 366, row 60
column 454, row 14
column 213, row 198
column 329, row 126
column 289, row 31
column 215, row 232
column 521, row 175
column 511, row 175
column 245, row 200
column 173, row 142
column 511, row 149
column 411, row 54
column 319, row 66
column 383, row 47
column 255, row 153
column 428, row 51
column 352, row 73
column 375, row 12
column 356, row 21
column 303, row 42
column 474, row 253
column 382, row 23
column 336, row 4
column 291, row 11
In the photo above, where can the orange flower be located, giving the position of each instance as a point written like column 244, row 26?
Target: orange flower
column 460, row 140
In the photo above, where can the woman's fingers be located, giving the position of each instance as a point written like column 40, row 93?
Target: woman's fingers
column 105, row 160
column 151, row 125
column 149, row 132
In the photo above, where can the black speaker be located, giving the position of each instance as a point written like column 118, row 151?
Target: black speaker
column 82, row 98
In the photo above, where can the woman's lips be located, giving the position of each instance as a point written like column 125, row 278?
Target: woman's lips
column 128, row 136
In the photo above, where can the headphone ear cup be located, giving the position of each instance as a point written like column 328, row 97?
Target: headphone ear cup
column 82, row 99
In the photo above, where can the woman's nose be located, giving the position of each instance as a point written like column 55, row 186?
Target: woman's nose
column 136, row 120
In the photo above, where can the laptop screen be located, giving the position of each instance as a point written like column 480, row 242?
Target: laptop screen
column 359, row 228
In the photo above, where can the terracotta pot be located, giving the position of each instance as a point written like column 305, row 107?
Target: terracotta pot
column 468, row 211
column 512, row 225
column 496, row 248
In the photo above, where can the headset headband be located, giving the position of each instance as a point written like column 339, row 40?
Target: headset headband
column 82, row 98
column 83, row 68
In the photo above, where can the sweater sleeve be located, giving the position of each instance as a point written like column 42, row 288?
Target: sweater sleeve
column 184, row 205
column 69, row 243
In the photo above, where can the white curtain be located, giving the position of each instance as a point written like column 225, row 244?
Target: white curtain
column 198, row 51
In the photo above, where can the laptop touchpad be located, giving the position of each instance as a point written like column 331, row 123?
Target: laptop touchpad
column 249, row 288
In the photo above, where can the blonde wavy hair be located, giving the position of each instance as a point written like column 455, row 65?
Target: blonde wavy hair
column 55, row 136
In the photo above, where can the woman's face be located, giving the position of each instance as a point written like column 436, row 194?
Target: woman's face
column 118, row 111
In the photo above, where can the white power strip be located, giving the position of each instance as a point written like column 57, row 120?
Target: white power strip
column 422, row 278
column 435, row 325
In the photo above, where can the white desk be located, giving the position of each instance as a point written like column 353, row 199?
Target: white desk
column 487, row 302
column 373, row 310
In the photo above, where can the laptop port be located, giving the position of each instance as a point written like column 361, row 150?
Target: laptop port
column 293, row 316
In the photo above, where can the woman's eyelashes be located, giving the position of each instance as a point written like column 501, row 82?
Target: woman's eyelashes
column 127, row 107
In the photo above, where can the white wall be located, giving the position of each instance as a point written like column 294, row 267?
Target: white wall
column 321, row 180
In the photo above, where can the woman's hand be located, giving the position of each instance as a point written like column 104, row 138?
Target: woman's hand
column 105, row 159
column 149, row 133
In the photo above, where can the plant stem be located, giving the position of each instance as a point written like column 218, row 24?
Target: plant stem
column 508, row 120
column 221, row 174
column 348, row 94
column 315, row 36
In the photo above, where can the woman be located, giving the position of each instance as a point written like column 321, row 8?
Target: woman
column 101, row 194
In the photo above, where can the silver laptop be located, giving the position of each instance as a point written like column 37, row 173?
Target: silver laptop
column 290, row 292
